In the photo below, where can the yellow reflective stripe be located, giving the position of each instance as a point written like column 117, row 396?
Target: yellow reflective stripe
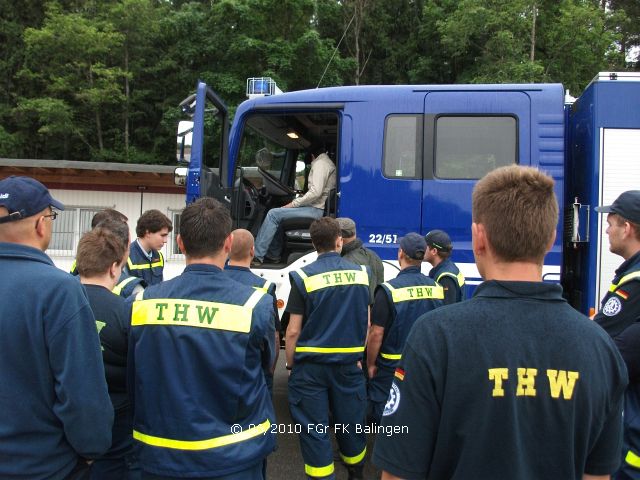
column 418, row 292
column 140, row 295
column 73, row 267
column 391, row 356
column 354, row 460
column 118, row 288
column 265, row 288
column 193, row 313
column 335, row 279
column 459, row 278
column 253, row 300
column 318, row 471
column 330, row 349
column 142, row 266
column 632, row 459
column 216, row 442
column 625, row 279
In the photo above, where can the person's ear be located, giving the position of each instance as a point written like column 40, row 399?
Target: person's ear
column 227, row 243
column 180, row 244
column 113, row 270
column 478, row 239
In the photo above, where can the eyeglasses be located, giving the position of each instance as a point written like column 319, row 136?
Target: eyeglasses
column 53, row 215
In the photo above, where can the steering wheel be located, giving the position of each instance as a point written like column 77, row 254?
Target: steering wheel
column 273, row 185
column 250, row 198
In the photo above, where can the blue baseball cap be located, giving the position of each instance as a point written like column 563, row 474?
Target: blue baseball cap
column 24, row 197
column 627, row 205
column 413, row 245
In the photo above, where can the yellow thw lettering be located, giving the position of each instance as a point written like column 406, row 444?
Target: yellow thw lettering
column 498, row 375
column 160, row 307
column 526, row 382
column 206, row 314
column 562, row 381
column 180, row 312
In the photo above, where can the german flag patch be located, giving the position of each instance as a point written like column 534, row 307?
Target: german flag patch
column 399, row 374
column 622, row 294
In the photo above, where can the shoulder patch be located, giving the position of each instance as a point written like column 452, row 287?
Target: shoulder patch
column 394, row 401
column 612, row 307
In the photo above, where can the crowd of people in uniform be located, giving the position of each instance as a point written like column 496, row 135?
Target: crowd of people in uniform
column 113, row 373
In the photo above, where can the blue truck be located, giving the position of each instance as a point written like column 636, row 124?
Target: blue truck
column 407, row 158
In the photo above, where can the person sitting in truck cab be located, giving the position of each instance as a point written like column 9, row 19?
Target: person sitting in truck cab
column 322, row 178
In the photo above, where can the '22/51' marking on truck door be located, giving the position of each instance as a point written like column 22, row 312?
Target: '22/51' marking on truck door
column 383, row 238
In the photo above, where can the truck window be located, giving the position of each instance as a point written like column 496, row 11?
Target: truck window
column 278, row 142
column 402, row 146
column 468, row 147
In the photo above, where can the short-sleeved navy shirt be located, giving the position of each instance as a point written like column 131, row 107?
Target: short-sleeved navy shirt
column 513, row 383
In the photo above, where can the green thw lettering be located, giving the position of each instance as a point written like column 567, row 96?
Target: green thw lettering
column 206, row 314
column 338, row 277
column 419, row 292
column 180, row 310
column 100, row 325
column 327, row 279
column 410, row 291
column 160, row 307
column 351, row 277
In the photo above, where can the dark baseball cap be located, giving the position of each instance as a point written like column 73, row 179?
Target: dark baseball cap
column 439, row 240
column 347, row 226
column 413, row 245
column 24, row 197
column 627, row 205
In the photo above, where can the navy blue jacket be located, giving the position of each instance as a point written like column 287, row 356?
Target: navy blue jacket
column 54, row 405
column 245, row 276
column 447, row 274
column 139, row 265
column 410, row 295
column 336, row 301
column 196, row 346
column 619, row 315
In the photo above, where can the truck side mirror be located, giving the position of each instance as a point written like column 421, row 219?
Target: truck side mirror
column 180, row 176
column 184, row 140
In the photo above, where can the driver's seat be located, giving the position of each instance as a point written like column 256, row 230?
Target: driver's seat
column 297, row 239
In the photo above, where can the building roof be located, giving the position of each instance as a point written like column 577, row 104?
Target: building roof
column 68, row 174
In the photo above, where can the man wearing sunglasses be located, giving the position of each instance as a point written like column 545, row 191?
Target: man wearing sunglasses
column 55, row 411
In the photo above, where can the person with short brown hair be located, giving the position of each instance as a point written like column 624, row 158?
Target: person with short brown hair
column 329, row 310
column 198, row 343
column 493, row 387
column 108, row 214
column 145, row 259
column 101, row 256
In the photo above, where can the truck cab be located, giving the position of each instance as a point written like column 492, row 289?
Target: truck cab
column 407, row 158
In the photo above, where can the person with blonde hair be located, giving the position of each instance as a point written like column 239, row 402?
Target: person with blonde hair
column 512, row 383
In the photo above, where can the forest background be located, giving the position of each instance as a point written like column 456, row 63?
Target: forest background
column 101, row 80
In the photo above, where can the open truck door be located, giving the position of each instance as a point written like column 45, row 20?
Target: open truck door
column 202, row 144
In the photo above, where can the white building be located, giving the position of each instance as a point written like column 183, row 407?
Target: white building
column 87, row 187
